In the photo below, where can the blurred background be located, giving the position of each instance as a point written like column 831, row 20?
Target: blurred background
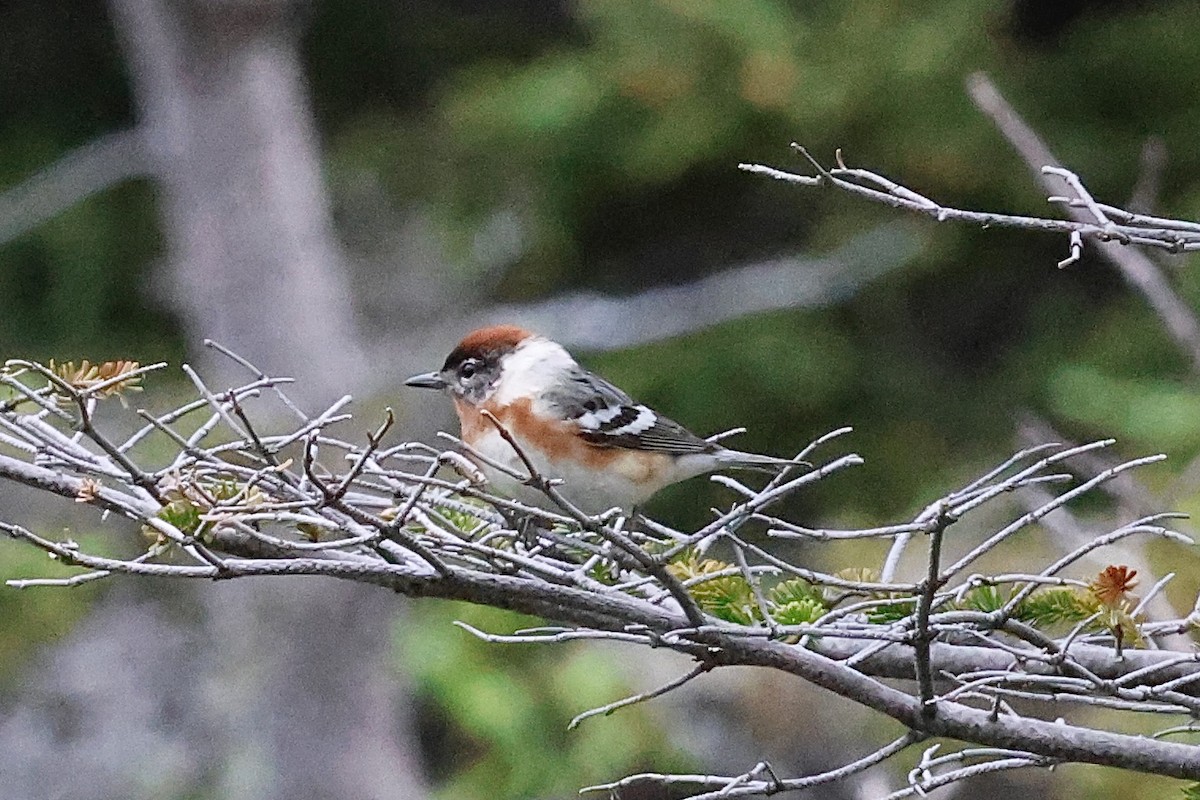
column 340, row 190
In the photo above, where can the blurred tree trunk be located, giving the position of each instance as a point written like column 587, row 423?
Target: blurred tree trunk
column 163, row 693
column 261, row 691
column 252, row 257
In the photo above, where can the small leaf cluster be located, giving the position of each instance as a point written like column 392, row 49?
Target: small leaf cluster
column 457, row 517
column 1107, row 599
column 87, row 376
column 188, row 499
column 722, row 590
column 100, row 380
column 796, row 602
column 463, row 521
column 1044, row 608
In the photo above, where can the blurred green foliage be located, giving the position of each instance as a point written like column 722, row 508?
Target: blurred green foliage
column 611, row 132
column 36, row 616
column 76, row 283
column 497, row 722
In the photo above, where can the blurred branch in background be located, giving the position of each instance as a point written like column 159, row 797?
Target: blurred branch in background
column 600, row 322
column 605, row 322
column 234, row 499
column 1135, row 266
column 98, row 165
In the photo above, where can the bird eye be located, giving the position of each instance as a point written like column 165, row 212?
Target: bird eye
column 468, row 368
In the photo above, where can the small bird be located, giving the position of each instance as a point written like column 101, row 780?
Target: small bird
column 608, row 450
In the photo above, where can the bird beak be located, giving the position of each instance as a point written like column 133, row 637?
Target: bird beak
column 428, row 380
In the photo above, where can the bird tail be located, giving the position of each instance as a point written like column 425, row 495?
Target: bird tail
column 736, row 459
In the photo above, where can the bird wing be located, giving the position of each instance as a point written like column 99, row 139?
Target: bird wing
column 607, row 417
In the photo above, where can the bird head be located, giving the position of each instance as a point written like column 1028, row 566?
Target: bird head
column 501, row 362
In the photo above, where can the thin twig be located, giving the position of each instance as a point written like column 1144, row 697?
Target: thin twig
column 641, row 697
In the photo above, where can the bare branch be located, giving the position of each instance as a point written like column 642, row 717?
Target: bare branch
column 1138, row 270
column 641, row 697
column 104, row 162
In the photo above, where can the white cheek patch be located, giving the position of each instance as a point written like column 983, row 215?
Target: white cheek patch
column 531, row 370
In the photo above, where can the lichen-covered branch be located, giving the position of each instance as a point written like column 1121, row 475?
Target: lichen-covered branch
column 237, row 496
